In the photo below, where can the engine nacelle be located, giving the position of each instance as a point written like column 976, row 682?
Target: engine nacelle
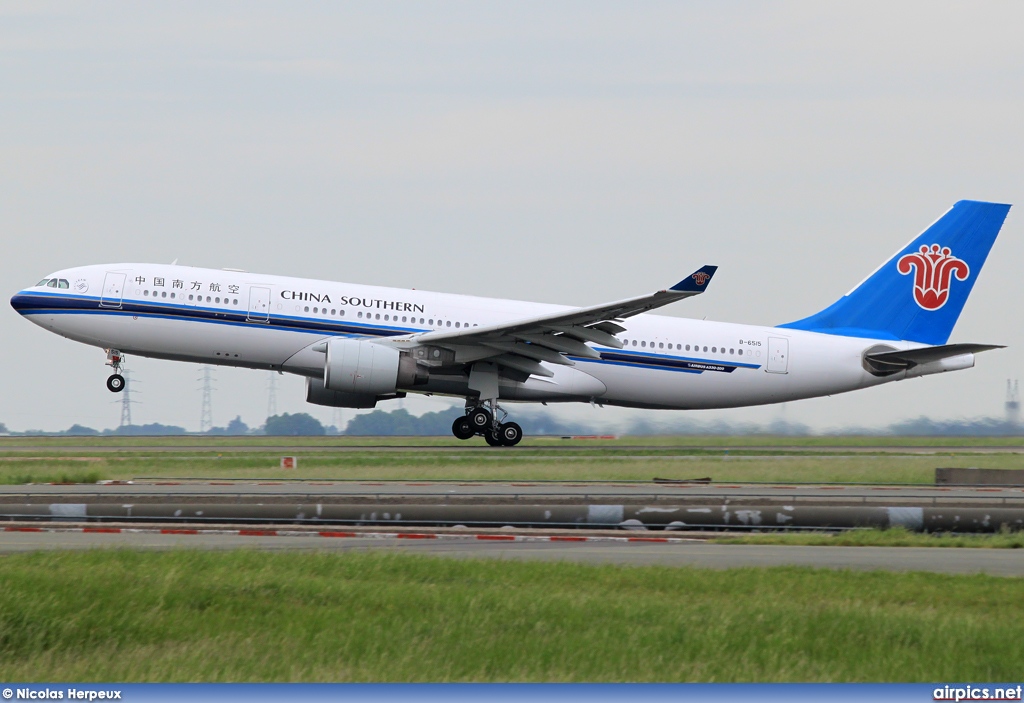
column 360, row 367
column 318, row 395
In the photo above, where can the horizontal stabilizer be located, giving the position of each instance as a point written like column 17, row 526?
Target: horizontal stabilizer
column 913, row 357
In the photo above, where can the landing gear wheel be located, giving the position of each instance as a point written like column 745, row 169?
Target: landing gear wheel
column 510, row 434
column 480, row 419
column 493, row 438
column 115, row 384
column 462, row 428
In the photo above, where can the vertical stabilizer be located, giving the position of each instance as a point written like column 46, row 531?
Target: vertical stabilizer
column 918, row 294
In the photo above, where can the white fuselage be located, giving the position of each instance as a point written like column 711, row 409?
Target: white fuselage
column 258, row 321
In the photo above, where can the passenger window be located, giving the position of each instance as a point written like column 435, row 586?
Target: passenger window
column 63, row 283
column 378, row 316
column 732, row 351
column 52, row 283
column 333, row 311
column 207, row 298
column 448, row 323
column 190, row 296
column 456, row 324
column 341, row 313
column 687, row 347
column 431, row 322
column 163, row 294
column 172, row 296
column 660, row 345
column 145, row 293
column 633, row 342
column 403, row 318
column 741, row 352
column 218, row 300
column 705, row 348
column 360, row 313
column 42, row 283
column 307, row 309
column 714, row 350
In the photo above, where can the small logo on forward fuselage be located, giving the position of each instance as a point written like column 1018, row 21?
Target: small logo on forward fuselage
column 934, row 268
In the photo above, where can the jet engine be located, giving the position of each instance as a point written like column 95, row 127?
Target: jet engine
column 360, row 367
column 318, row 395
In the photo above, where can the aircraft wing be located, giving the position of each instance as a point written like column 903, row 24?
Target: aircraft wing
column 523, row 344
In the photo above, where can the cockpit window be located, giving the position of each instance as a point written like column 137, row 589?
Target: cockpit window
column 42, row 282
column 52, row 283
column 63, row 283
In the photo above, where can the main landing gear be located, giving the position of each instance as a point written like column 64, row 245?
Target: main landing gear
column 480, row 420
column 115, row 383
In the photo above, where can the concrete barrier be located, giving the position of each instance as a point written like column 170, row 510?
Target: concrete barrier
column 637, row 517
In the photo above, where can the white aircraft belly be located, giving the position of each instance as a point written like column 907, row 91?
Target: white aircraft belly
column 184, row 339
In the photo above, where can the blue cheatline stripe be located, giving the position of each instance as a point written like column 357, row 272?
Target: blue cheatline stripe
column 666, row 362
column 43, row 304
column 634, row 365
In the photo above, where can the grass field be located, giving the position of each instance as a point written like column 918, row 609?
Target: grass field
column 668, row 441
column 257, row 616
column 42, row 460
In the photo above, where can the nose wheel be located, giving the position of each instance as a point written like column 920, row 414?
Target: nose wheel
column 115, row 383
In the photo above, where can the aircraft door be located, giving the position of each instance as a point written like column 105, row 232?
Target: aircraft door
column 259, row 304
column 778, row 355
column 113, row 290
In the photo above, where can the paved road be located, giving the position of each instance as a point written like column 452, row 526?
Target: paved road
column 999, row 562
column 575, row 492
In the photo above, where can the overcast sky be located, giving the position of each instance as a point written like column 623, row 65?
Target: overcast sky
column 569, row 152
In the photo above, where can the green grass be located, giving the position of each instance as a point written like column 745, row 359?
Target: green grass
column 894, row 537
column 724, row 459
column 258, row 616
column 12, row 478
column 498, row 465
column 546, row 441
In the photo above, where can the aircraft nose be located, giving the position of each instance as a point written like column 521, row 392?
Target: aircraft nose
column 20, row 301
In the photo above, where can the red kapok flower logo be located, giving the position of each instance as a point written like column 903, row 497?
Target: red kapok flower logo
column 934, row 268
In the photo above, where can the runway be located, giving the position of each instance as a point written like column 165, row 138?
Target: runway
column 678, row 553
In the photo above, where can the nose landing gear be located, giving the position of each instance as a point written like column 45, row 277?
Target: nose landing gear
column 479, row 420
column 115, row 383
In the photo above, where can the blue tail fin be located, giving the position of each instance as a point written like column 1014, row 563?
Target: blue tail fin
column 918, row 294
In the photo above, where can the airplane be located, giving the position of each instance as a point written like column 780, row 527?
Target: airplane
column 358, row 345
